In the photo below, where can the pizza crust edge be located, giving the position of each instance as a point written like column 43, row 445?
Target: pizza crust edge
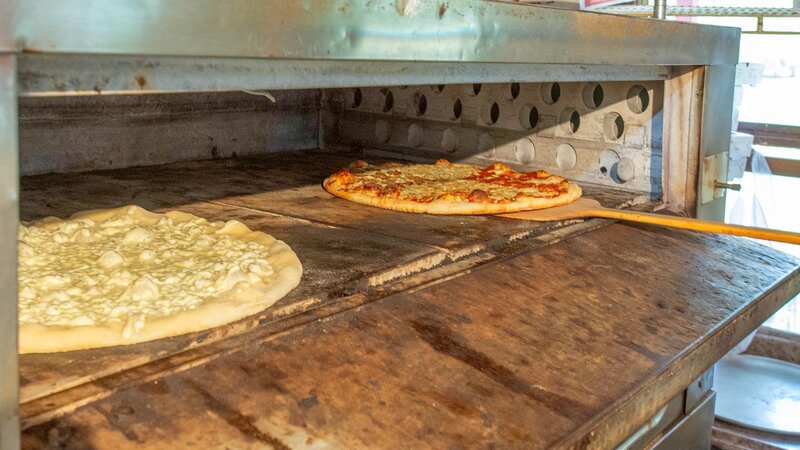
column 227, row 307
column 440, row 206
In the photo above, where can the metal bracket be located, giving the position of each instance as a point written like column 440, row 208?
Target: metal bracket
column 714, row 179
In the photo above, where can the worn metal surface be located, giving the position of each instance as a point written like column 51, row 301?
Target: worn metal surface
column 681, row 138
column 55, row 74
column 759, row 393
column 71, row 134
column 715, row 136
column 553, row 348
column 8, row 14
column 9, row 199
column 660, row 9
column 661, row 421
column 423, row 30
column 714, row 170
column 698, row 389
column 693, row 432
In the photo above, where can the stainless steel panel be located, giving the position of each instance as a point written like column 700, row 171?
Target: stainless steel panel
column 9, row 210
column 715, row 134
column 8, row 11
column 407, row 30
column 67, row 134
column 92, row 74
column 692, row 432
column 665, row 416
column 698, row 389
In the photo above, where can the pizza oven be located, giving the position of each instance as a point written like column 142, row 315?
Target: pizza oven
column 406, row 330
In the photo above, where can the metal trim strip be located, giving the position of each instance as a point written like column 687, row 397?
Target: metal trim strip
column 48, row 74
column 399, row 30
column 9, row 211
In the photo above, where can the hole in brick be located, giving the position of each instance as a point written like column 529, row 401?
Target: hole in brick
column 438, row 88
column 457, row 109
column 476, row 89
column 638, row 99
column 551, row 93
column 613, row 126
column 514, row 90
column 592, row 95
column 528, row 116
column 388, row 100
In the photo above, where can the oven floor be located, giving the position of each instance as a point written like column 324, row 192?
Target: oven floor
column 349, row 251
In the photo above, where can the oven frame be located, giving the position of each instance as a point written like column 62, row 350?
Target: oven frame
column 91, row 47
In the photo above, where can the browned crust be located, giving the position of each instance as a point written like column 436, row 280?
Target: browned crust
column 442, row 206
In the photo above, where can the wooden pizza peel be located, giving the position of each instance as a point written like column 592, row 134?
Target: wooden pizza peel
column 585, row 208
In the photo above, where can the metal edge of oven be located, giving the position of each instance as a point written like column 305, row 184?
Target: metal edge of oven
column 684, row 422
column 9, row 189
column 42, row 29
column 457, row 30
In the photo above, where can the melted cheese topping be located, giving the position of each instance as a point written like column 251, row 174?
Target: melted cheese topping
column 453, row 182
column 82, row 272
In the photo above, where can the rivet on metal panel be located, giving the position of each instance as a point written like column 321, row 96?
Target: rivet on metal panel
column 638, row 99
column 528, row 116
column 415, row 135
column 613, row 126
column 525, row 151
column 570, row 120
column 566, row 157
column 449, row 141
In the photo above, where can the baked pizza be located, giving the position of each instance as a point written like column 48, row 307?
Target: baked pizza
column 121, row 276
column 448, row 188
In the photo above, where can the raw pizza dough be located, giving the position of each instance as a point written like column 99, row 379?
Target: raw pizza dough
column 122, row 276
column 448, row 188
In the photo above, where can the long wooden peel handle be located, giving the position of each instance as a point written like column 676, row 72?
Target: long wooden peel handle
column 696, row 225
